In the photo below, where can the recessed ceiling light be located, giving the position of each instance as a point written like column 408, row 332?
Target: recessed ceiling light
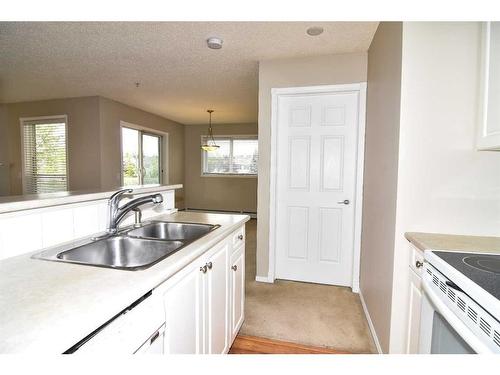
column 315, row 30
column 214, row 43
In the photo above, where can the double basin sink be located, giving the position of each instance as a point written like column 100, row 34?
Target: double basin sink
column 133, row 248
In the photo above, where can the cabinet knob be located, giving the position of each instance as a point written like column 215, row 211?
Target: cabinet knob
column 209, row 265
column 419, row 264
column 234, row 268
column 203, row 269
column 240, row 237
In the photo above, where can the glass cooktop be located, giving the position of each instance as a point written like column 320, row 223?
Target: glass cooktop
column 483, row 269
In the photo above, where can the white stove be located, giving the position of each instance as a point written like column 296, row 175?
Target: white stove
column 461, row 304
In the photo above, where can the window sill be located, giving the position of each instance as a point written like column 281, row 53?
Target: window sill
column 229, row 175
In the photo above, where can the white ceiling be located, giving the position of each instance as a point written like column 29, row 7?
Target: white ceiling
column 179, row 76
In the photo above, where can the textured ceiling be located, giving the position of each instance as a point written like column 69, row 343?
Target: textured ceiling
column 179, row 76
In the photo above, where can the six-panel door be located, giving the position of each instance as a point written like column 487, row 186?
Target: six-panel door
column 315, row 186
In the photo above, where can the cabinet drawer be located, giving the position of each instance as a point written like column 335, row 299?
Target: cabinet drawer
column 416, row 259
column 238, row 237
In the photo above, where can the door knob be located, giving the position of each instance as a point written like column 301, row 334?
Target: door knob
column 234, row 268
column 240, row 237
column 203, row 269
column 209, row 265
column 346, row 202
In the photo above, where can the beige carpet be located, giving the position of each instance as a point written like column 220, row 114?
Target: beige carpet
column 310, row 314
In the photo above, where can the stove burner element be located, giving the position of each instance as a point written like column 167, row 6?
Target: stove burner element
column 484, row 263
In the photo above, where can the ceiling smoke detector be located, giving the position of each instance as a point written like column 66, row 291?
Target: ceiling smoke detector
column 314, row 31
column 214, row 43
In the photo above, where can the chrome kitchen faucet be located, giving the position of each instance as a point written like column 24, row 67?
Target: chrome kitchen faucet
column 117, row 213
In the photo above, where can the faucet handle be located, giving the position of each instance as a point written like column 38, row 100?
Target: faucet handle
column 119, row 193
column 158, row 198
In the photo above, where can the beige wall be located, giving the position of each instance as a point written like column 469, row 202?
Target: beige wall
column 380, row 175
column 83, row 145
column 320, row 70
column 111, row 113
column 444, row 184
column 216, row 193
column 93, row 140
column 4, row 152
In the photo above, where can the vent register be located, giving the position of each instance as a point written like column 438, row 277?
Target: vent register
column 474, row 316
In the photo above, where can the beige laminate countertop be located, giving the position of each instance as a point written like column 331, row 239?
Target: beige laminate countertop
column 454, row 242
column 46, row 307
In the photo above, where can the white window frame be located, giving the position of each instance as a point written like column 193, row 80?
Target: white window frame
column 224, row 137
column 164, row 149
column 22, row 121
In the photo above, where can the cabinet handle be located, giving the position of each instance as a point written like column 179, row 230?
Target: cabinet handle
column 209, row 265
column 240, row 237
column 419, row 264
column 155, row 336
column 203, row 269
column 234, row 268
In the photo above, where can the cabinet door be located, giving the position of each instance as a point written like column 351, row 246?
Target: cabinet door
column 218, row 300
column 488, row 136
column 237, row 291
column 184, row 314
column 415, row 302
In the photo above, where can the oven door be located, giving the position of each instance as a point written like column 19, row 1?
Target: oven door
column 441, row 330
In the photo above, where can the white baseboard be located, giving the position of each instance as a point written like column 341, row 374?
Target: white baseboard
column 370, row 324
column 264, row 279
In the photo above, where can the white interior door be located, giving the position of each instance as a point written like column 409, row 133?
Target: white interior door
column 316, row 140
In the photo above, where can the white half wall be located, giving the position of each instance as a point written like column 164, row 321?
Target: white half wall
column 33, row 229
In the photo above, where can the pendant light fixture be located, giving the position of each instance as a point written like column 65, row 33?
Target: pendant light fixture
column 209, row 144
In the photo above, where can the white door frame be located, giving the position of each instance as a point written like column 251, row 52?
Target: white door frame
column 295, row 91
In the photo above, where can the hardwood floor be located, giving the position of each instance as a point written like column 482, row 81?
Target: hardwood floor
column 260, row 345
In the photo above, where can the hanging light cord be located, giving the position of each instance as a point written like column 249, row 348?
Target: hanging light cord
column 210, row 132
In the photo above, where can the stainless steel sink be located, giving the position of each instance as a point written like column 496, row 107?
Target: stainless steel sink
column 172, row 231
column 121, row 252
column 130, row 249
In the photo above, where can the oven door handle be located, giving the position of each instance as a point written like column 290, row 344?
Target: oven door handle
column 463, row 331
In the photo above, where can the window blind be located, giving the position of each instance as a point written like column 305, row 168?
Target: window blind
column 45, row 155
column 235, row 156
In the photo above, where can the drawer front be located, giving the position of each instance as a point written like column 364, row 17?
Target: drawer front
column 416, row 259
column 238, row 237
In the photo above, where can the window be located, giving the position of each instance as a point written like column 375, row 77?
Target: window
column 236, row 156
column 45, row 156
column 141, row 157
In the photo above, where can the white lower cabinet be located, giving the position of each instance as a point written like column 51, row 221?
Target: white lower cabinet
column 184, row 312
column 217, row 301
column 414, row 300
column 237, row 279
column 203, row 300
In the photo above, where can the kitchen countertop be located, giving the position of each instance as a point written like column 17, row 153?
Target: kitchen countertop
column 30, row 201
column 454, row 242
column 46, row 307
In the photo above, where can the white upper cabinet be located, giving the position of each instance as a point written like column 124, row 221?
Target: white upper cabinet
column 488, row 133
